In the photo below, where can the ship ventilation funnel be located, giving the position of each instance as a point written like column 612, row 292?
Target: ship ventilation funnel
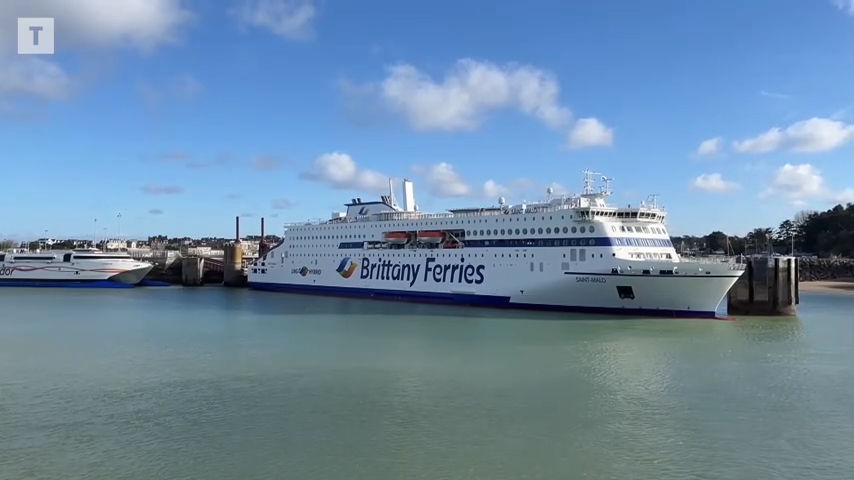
column 408, row 196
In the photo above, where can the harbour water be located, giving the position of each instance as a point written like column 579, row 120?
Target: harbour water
column 209, row 383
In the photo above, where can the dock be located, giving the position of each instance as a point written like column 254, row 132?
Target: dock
column 769, row 287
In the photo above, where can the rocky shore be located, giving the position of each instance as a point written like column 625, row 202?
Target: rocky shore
column 818, row 269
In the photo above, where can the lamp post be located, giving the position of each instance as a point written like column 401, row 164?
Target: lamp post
column 94, row 233
column 119, row 226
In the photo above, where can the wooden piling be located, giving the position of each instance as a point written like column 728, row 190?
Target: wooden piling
column 192, row 271
column 769, row 287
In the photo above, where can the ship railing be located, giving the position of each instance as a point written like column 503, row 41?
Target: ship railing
column 733, row 262
column 486, row 212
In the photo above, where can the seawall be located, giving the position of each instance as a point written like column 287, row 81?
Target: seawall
column 816, row 269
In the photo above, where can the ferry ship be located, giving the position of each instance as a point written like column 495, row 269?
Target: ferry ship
column 73, row 268
column 574, row 253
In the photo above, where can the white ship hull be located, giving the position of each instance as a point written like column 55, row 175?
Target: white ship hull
column 573, row 255
column 688, row 294
column 69, row 270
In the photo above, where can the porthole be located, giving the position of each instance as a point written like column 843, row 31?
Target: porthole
column 574, row 230
column 517, row 231
column 565, row 230
column 549, row 230
column 524, row 231
column 540, row 230
column 592, row 229
column 583, row 229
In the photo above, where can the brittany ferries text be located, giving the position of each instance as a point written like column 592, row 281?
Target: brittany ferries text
column 409, row 272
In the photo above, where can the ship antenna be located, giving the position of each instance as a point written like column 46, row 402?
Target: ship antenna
column 588, row 182
column 393, row 200
column 606, row 190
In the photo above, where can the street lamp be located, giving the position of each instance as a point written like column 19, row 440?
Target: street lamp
column 95, row 233
column 119, row 226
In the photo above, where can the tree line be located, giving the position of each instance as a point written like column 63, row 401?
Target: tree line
column 828, row 233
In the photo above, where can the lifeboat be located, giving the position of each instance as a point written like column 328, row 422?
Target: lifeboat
column 431, row 237
column 396, row 238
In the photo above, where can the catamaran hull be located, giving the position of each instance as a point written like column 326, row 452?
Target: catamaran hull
column 53, row 276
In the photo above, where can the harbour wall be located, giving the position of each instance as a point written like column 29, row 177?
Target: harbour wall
column 816, row 269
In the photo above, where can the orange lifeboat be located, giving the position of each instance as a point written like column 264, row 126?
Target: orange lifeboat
column 431, row 237
column 396, row 238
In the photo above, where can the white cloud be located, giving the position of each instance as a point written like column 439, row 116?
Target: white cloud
column 846, row 6
column 141, row 24
column 710, row 147
column 802, row 183
column 590, row 132
column 339, row 170
column 808, row 136
column 183, row 87
column 81, row 24
column 470, row 91
column 713, row 182
column 34, row 77
column 779, row 96
column 291, row 19
column 443, row 180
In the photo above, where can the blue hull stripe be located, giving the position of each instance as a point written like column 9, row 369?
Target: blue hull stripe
column 64, row 284
column 492, row 301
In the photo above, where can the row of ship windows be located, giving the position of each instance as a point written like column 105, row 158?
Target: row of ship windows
column 524, row 231
column 510, row 231
column 514, row 243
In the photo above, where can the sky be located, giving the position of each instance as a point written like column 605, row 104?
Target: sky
column 173, row 117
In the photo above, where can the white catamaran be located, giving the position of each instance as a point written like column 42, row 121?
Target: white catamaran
column 71, row 268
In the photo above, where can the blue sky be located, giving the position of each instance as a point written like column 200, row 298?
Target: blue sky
column 180, row 115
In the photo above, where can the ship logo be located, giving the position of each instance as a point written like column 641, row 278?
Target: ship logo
column 303, row 271
column 347, row 267
column 363, row 211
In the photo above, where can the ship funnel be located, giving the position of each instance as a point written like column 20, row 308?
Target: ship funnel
column 408, row 196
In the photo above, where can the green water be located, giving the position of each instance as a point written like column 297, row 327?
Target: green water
column 215, row 384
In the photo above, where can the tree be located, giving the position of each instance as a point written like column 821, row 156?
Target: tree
column 785, row 234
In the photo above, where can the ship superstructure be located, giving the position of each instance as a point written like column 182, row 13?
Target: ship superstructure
column 567, row 253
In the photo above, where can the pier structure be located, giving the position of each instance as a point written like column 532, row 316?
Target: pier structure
column 768, row 287
column 233, row 272
column 192, row 271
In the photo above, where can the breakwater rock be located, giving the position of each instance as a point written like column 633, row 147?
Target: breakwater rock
column 815, row 269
